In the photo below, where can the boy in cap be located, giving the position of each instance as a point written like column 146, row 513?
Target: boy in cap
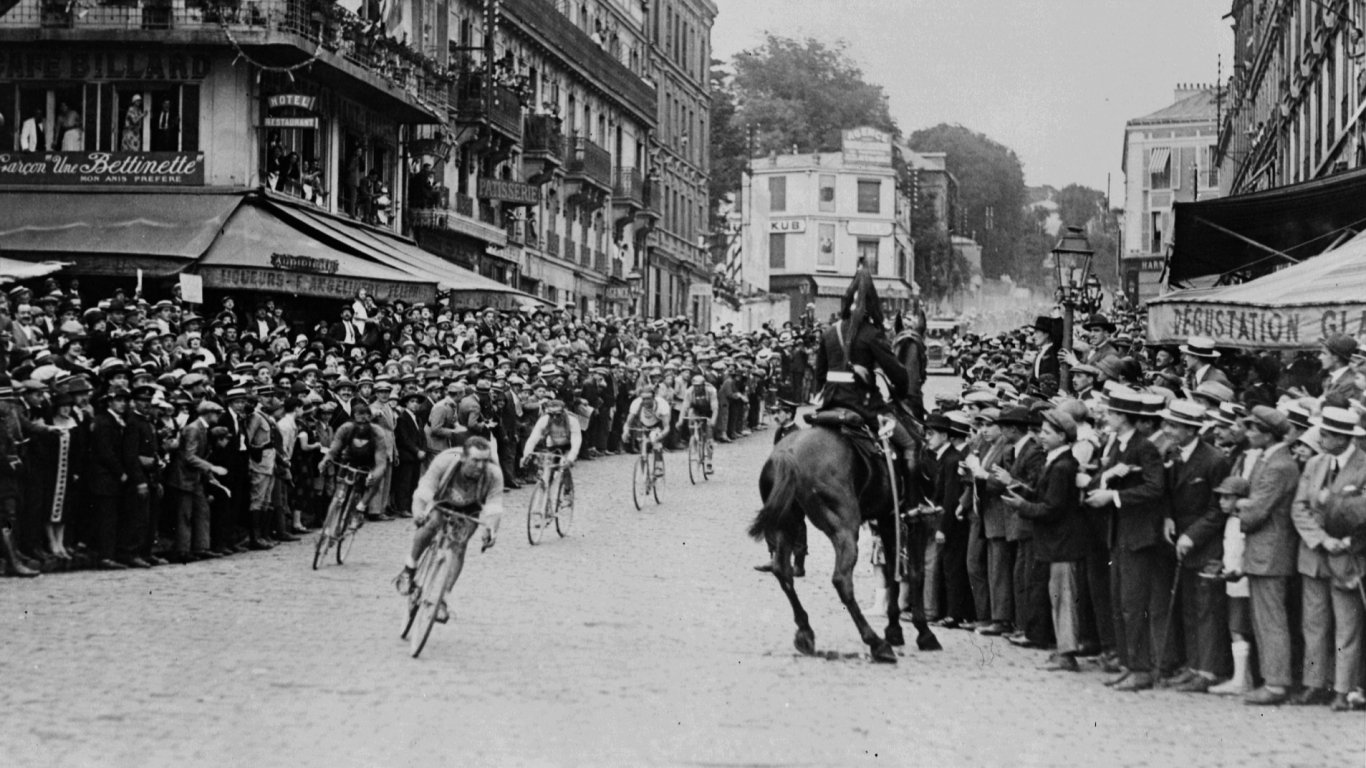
column 1230, row 491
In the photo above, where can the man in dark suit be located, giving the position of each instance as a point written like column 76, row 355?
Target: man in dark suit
column 109, row 473
column 347, row 332
column 1047, row 335
column 1269, row 551
column 409, row 450
column 1194, row 470
column 1021, row 466
column 1132, row 486
column 143, row 448
column 947, row 556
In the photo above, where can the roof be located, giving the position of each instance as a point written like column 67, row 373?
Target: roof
column 1193, row 108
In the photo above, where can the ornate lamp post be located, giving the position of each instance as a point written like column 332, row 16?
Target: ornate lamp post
column 636, row 280
column 1078, row 289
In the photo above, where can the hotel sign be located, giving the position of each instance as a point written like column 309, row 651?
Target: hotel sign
column 100, row 168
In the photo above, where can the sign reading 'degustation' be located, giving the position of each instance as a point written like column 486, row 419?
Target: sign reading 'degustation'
column 98, row 168
column 1258, row 327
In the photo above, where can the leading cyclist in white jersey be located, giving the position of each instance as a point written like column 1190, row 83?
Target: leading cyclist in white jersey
column 649, row 411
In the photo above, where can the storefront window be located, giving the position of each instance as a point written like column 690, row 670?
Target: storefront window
column 294, row 162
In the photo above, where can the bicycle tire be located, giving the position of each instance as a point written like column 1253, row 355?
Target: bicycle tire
column 325, row 537
column 427, row 605
column 658, row 476
column 705, row 449
column 343, row 535
column 694, row 450
column 535, row 514
column 640, row 483
column 344, row 545
column 415, row 597
column 564, row 513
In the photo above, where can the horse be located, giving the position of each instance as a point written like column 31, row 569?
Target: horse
column 816, row 474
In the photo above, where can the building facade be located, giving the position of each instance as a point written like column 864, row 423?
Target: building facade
column 813, row 218
column 1294, row 107
column 1169, row 157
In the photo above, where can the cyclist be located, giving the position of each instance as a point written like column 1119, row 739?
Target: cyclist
column 465, row 479
column 358, row 444
column 699, row 401
column 561, row 435
column 649, row 411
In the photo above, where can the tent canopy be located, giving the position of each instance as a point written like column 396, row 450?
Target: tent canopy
column 14, row 270
column 1244, row 232
column 1293, row 308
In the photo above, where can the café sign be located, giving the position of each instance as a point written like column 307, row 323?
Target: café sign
column 509, row 191
column 1253, row 326
column 100, row 168
column 293, row 263
column 145, row 63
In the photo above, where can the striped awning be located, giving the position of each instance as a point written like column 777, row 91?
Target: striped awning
column 1158, row 159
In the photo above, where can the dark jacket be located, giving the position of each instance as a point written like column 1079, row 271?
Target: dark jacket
column 108, row 461
column 1055, row 512
column 408, row 437
column 140, row 441
column 1025, row 467
column 868, row 350
column 946, row 486
column 1195, row 505
column 1137, row 522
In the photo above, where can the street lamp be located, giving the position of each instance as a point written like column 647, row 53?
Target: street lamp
column 1078, row 289
column 635, row 279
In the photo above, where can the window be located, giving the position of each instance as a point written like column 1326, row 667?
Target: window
column 825, row 245
column 1160, row 169
column 100, row 117
column 1156, row 232
column 777, row 251
column 1211, row 166
column 827, row 199
column 869, row 196
column 777, row 193
column 867, row 253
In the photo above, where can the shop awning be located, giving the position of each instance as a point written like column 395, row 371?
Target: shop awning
column 112, row 233
column 258, row 251
column 13, row 270
column 404, row 255
column 1293, row 308
column 836, row 285
column 1257, row 232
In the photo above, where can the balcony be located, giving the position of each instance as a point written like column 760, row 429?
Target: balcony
column 543, row 148
column 460, row 219
column 588, row 174
column 476, row 100
column 390, row 74
column 628, row 197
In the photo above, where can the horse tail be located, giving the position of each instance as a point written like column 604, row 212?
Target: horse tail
column 777, row 511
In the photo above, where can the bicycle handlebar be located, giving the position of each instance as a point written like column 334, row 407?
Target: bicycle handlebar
column 544, row 457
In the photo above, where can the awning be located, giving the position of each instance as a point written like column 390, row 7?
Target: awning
column 13, row 270
column 258, row 251
column 1293, row 308
column 1245, row 232
column 836, row 285
column 112, row 233
column 1157, row 160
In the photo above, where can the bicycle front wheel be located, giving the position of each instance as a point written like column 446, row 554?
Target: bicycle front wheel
column 428, row 602
column 564, row 505
column 421, row 575
column 640, row 483
column 535, row 514
column 704, row 450
column 325, row 535
column 658, row 476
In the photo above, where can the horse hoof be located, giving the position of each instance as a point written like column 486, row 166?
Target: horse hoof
column 805, row 642
column 926, row 641
column 883, row 653
column 894, row 636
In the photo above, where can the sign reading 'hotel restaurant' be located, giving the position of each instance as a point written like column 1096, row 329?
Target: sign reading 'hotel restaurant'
column 100, row 168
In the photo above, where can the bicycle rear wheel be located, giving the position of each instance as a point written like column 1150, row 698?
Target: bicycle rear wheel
column 640, row 483
column 427, row 603
column 535, row 514
column 694, row 458
column 564, row 505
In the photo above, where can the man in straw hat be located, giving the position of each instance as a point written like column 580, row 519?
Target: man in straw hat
column 1332, row 607
column 1199, row 355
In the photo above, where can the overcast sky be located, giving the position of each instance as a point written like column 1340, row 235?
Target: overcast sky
column 1055, row 80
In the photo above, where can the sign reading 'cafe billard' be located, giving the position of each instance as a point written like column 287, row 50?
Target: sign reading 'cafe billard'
column 97, row 168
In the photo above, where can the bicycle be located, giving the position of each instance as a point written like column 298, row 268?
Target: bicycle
column 699, row 448
column 337, row 530
column 541, row 508
column 648, row 473
column 433, row 577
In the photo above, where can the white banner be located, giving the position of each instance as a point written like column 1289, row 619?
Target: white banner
column 1253, row 326
column 191, row 288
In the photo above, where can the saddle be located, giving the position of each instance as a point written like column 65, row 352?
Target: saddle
column 851, row 425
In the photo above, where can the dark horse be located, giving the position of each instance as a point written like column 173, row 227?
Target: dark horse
column 815, row 474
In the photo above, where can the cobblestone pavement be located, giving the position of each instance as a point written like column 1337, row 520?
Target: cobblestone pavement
column 643, row 639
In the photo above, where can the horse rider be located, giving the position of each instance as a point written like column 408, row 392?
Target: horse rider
column 846, row 359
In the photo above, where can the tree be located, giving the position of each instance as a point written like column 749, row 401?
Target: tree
column 991, row 198
column 787, row 94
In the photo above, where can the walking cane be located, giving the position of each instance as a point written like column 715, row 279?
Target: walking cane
column 1171, row 619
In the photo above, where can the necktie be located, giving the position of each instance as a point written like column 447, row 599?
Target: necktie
column 1332, row 471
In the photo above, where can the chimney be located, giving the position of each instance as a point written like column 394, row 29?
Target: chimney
column 1186, row 90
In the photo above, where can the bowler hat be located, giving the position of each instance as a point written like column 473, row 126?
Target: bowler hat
column 1341, row 345
column 1016, row 415
column 1098, row 320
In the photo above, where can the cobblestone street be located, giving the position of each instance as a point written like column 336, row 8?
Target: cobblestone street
column 642, row 639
